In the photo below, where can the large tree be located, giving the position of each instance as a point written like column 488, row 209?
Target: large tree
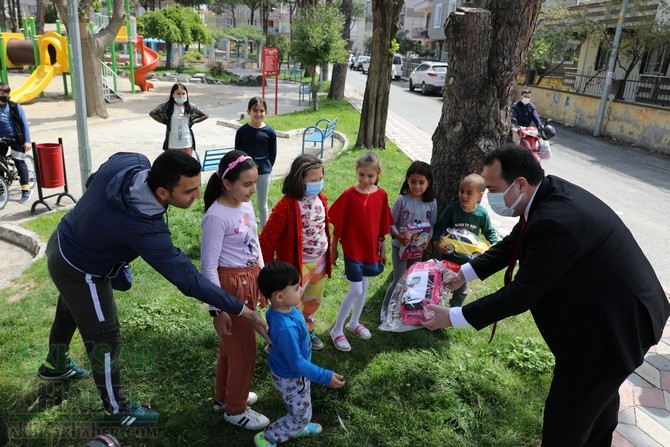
column 340, row 68
column 93, row 46
column 174, row 24
column 374, row 111
column 317, row 40
column 487, row 50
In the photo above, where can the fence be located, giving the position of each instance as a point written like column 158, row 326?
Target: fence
column 645, row 89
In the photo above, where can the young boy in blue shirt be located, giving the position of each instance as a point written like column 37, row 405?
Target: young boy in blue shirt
column 290, row 358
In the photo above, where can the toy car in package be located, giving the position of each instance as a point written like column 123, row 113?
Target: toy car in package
column 420, row 285
column 463, row 242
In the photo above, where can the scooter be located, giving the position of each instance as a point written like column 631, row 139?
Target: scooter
column 532, row 139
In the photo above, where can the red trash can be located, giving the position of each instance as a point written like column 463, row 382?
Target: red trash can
column 50, row 162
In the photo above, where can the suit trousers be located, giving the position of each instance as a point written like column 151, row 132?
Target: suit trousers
column 581, row 413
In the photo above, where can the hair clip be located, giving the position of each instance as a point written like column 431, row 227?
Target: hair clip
column 232, row 164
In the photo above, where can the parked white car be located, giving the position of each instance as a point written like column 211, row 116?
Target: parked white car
column 396, row 67
column 429, row 76
column 365, row 66
column 359, row 62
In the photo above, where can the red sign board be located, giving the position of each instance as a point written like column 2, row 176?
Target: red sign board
column 270, row 60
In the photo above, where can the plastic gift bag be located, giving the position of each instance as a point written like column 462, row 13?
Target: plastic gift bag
column 420, row 285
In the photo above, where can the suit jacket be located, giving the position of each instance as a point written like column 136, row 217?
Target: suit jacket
column 593, row 294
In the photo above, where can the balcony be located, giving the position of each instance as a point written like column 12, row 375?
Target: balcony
column 419, row 33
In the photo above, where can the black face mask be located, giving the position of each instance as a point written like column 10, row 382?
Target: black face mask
column 4, row 99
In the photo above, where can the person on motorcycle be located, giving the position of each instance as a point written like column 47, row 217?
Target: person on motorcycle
column 524, row 114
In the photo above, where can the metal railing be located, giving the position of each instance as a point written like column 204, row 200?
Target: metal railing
column 111, row 84
column 644, row 89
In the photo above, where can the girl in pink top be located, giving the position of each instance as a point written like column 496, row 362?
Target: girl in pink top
column 361, row 218
column 231, row 258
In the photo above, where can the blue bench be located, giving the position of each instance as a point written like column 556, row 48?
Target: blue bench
column 305, row 93
column 294, row 72
column 210, row 161
column 319, row 133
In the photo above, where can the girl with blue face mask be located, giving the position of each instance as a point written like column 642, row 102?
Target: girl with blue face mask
column 179, row 115
column 298, row 232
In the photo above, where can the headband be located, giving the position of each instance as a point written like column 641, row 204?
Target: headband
column 232, row 164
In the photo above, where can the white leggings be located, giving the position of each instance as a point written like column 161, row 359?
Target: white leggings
column 262, row 189
column 355, row 299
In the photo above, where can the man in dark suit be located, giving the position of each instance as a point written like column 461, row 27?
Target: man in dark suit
column 593, row 294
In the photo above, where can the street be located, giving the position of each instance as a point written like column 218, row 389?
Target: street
column 633, row 182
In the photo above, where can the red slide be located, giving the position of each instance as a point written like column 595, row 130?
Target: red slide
column 150, row 60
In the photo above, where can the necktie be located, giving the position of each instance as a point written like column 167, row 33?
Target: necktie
column 511, row 265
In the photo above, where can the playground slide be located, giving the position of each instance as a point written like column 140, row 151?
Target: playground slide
column 150, row 60
column 35, row 84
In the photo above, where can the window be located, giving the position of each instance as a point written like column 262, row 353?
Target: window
column 603, row 57
column 451, row 8
column 655, row 62
column 438, row 16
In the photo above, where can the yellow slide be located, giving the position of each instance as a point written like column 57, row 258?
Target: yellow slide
column 34, row 85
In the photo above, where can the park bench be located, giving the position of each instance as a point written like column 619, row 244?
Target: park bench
column 294, row 72
column 319, row 133
column 305, row 93
column 210, row 161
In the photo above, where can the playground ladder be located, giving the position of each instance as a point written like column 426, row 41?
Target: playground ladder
column 111, row 84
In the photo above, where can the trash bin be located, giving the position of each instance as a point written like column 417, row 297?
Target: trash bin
column 50, row 164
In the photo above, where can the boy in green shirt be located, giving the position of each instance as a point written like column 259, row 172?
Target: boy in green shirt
column 464, row 214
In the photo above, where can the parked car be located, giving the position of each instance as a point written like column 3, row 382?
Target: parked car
column 396, row 68
column 429, row 76
column 359, row 62
column 365, row 66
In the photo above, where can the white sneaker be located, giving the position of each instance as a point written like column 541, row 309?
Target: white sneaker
column 252, row 398
column 250, row 419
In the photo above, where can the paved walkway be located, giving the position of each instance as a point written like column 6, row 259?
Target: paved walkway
column 644, row 419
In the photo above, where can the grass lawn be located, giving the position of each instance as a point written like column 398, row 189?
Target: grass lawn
column 418, row 388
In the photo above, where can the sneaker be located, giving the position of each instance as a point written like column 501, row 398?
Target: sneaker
column 25, row 195
column 252, row 398
column 132, row 414
column 250, row 419
column 310, row 429
column 317, row 344
column 72, row 372
column 260, row 441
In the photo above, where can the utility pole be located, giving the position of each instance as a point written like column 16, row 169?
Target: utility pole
column 610, row 70
column 79, row 92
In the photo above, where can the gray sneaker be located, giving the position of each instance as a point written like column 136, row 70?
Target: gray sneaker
column 317, row 344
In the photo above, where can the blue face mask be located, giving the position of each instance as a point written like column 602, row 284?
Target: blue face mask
column 313, row 188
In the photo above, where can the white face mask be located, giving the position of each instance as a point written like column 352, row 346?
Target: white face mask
column 497, row 202
column 180, row 101
column 526, row 101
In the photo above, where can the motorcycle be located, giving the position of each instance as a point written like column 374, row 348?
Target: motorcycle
column 533, row 139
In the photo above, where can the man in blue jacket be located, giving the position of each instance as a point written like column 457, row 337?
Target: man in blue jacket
column 121, row 217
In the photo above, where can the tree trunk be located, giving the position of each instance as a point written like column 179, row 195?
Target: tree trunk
column 374, row 111
column 40, row 11
column 339, row 78
column 92, row 48
column 487, row 49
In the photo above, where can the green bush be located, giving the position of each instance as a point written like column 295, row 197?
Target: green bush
column 192, row 56
column 216, row 69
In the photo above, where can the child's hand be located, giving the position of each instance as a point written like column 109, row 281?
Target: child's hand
column 223, row 324
column 334, row 257
column 336, row 380
column 438, row 247
column 402, row 237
